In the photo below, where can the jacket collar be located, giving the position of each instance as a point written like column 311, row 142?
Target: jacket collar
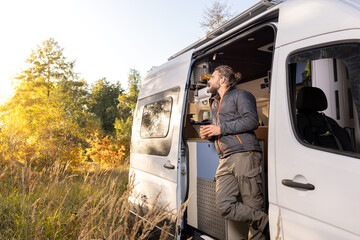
column 217, row 96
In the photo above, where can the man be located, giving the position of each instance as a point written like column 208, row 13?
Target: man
column 234, row 118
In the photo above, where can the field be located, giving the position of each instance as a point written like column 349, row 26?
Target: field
column 58, row 202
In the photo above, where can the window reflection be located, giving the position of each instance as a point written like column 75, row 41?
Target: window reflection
column 156, row 119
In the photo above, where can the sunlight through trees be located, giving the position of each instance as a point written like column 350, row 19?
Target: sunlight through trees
column 55, row 116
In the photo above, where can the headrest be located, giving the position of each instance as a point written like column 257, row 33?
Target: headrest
column 311, row 99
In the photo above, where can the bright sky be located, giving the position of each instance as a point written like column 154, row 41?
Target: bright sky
column 105, row 37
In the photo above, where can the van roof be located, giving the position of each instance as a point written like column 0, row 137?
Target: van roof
column 253, row 11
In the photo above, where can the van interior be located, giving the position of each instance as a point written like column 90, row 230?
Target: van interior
column 251, row 54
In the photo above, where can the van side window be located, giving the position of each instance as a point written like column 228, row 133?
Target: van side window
column 324, row 92
column 152, row 130
column 156, row 119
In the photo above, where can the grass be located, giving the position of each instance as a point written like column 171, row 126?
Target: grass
column 59, row 203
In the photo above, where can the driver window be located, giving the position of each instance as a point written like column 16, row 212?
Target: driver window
column 324, row 89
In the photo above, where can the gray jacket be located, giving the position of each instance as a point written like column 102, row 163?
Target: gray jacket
column 236, row 114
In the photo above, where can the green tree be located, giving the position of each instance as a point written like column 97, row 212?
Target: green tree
column 215, row 16
column 103, row 103
column 128, row 101
column 50, row 77
column 48, row 67
column 127, row 105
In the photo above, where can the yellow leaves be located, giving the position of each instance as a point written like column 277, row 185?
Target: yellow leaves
column 52, row 117
column 104, row 151
column 31, row 140
column 38, row 131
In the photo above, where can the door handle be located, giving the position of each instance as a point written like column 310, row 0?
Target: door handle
column 291, row 183
column 168, row 165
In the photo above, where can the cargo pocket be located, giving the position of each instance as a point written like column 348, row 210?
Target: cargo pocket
column 251, row 189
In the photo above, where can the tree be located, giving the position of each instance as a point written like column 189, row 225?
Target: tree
column 45, row 119
column 129, row 100
column 127, row 105
column 48, row 67
column 152, row 68
column 52, row 78
column 215, row 16
column 103, row 103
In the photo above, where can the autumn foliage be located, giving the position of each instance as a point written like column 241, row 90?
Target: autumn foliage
column 54, row 116
column 64, row 154
column 105, row 151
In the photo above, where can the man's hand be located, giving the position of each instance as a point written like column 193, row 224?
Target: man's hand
column 208, row 131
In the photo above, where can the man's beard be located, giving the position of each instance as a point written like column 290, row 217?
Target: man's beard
column 213, row 89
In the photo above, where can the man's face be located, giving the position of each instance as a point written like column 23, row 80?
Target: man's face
column 214, row 82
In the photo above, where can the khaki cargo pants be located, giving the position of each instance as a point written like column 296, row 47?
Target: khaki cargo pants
column 239, row 191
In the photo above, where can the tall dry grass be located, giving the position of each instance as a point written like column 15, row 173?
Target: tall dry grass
column 58, row 203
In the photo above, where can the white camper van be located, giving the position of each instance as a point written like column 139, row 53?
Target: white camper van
column 311, row 165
